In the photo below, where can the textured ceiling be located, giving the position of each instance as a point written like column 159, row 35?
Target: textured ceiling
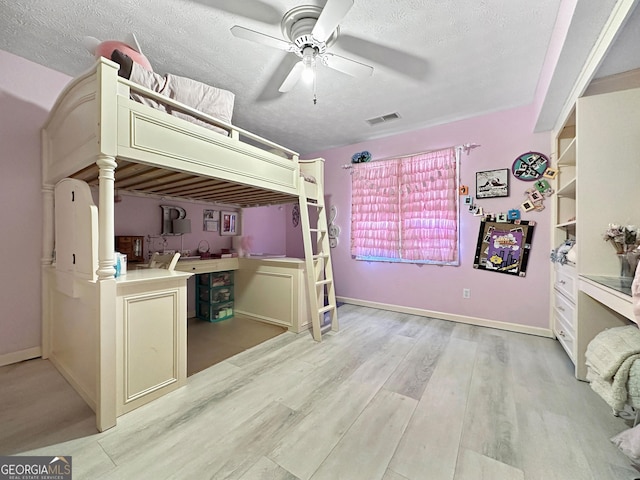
column 434, row 61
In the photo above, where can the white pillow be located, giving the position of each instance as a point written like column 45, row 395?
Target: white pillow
column 629, row 442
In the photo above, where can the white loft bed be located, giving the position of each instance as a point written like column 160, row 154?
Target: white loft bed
column 97, row 136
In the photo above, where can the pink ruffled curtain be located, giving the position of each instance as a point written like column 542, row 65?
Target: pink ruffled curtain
column 375, row 210
column 406, row 209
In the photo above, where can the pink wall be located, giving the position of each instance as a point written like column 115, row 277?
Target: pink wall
column 265, row 228
column 136, row 215
column 25, row 100
column 494, row 296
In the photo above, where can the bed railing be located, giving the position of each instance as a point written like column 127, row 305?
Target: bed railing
column 235, row 132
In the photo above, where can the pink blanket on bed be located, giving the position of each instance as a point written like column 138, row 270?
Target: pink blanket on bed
column 207, row 99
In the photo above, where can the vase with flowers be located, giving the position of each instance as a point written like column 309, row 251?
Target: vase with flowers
column 625, row 241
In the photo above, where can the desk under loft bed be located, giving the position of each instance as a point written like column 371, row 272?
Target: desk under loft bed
column 96, row 328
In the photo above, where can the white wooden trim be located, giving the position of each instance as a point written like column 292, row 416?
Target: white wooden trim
column 619, row 15
column 20, row 356
column 480, row 322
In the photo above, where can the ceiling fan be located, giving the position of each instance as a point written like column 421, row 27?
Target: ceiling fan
column 311, row 31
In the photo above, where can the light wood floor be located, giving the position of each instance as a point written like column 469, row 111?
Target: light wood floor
column 390, row 397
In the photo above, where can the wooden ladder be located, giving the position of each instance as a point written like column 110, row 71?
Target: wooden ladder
column 322, row 293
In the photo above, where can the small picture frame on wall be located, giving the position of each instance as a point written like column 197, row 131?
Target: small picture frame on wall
column 492, row 183
column 527, row 205
column 210, row 225
column 513, row 214
column 550, row 173
column 210, row 220
column 229, row 223
column 536, row 196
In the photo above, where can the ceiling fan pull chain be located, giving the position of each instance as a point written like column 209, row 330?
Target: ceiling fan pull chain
column 315, row 76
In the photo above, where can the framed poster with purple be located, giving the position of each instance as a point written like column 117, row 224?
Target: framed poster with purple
column 504, row 246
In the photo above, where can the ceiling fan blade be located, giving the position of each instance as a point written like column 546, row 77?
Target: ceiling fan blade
column 292, row 78
column 332, row 14
column 258, row 37
column 269, row 90
column 345, row 65
column 405, row 63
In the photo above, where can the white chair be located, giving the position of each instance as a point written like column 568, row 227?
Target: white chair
column 164, row 260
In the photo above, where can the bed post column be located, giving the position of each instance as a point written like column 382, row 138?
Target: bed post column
column 106, row 375
column 107, row 76
column 48, row 245
column 107, row 165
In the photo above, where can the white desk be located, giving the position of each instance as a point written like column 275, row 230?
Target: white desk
column 613, row 292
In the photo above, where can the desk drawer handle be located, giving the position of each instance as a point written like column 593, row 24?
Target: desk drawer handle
column 560, row 308
column 562, row 282
column 561, row 333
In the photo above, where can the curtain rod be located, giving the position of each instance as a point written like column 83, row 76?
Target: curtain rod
column 466, row 147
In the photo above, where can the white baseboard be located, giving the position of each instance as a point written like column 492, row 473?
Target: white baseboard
column 480, row 322
column 20, row 356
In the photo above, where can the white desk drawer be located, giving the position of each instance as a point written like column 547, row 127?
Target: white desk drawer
column 208, row 265
column 566, row 281
column 564, row 308
column 565, row 335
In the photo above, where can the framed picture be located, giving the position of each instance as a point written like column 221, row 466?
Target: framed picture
column 492, row 183
column 551, row 173
column 543, row 186
column 229, row 223
column 504, row 246
column 536, row 196
column 527, row 205
column 210, row 220
column 211, row 225
column 513, row 214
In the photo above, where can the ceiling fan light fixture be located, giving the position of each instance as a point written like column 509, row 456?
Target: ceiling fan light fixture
column 309, row 62
column 308, row 75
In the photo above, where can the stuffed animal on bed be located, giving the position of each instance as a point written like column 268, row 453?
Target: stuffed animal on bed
column 129, row 48
column 134, row 66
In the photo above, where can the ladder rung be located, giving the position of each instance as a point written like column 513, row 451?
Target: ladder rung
column 317, row 230
column 326, row 308
column 321, row 255
column 325, row 328
column 323, row 282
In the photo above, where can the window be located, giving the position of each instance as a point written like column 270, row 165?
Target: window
column 406, row 209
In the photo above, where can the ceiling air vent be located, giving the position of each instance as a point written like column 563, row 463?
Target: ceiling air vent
column 384, row 118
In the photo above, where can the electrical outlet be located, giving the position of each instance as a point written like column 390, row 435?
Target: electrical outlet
column 466, row 293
